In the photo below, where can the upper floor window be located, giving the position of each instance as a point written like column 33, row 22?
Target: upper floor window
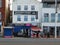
column 58, row 17
column 46, row 17
column 32, row 7
column 25, row 18
column 18, row 7
column 53, row 17
column 0, row 3
column 18, row 18
column 32, row 18
column 0, row 15
column 25, row 7
column 47, row 5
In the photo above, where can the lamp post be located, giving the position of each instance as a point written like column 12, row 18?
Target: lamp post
column 55, row 18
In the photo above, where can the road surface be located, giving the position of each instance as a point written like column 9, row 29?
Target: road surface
column 29, row 41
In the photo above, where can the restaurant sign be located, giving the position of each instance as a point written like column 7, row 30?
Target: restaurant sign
column 26, row 12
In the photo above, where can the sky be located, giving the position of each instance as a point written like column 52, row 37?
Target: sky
column 11, row 3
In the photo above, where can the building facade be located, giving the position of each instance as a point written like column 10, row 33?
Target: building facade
column 50, row 21
column 36, row 13
column 26, row 11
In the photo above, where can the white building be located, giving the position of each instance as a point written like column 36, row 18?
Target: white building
column 50, row 21
column 32, row 11
column 26, row 11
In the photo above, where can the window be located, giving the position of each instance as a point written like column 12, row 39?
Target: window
column 59, row 17
column 25, row 18
column 32, row 18
column 0, row 16
column 46, row 17
column 0, row 28
column 45, row 29
column 0, row 3
column 18, row 18
column 47, row 5
column 25, row 7
column 32, row 7
column 18, row 7
column 53, row 17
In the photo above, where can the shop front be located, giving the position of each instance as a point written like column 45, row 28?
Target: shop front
column 22, row 31
column 49, row 31
column 35, row 31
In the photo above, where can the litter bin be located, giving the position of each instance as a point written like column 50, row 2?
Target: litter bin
column 8, row 32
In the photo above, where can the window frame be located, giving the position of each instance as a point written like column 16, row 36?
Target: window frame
column 18, row 18
column 46, row 15
column 18, row 7
column 25, row 18
column 32, row 7
column 53, row 17
column 25, row 7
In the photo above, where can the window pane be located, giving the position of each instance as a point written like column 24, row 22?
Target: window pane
column 25, row 7
column 18, row 18
column 58, row 17
column 45, row 29
column 32, row 18
column 0, row 3
column 53, row 17
column 46, row 17
column 18, row 7
column 25, row 18
column 32, row 7
column 0, row 16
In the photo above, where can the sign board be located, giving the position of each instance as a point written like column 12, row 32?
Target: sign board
column 26, row 13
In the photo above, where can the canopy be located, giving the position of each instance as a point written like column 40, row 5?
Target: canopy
column 35, row 29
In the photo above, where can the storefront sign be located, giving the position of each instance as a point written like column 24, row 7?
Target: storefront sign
column 26, row 12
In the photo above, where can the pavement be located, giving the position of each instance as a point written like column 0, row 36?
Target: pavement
column 29, row 41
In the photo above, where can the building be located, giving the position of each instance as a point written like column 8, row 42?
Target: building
column 26, row 12
column 2, row 14
column 50, row 21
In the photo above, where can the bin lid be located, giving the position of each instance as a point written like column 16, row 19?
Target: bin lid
column 8, row 27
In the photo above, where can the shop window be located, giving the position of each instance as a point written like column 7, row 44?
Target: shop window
column 45, row 29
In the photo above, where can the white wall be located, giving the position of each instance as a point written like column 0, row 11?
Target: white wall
column 49, row 10
column 38, row 7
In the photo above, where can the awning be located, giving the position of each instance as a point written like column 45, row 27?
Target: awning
column 35, row 29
